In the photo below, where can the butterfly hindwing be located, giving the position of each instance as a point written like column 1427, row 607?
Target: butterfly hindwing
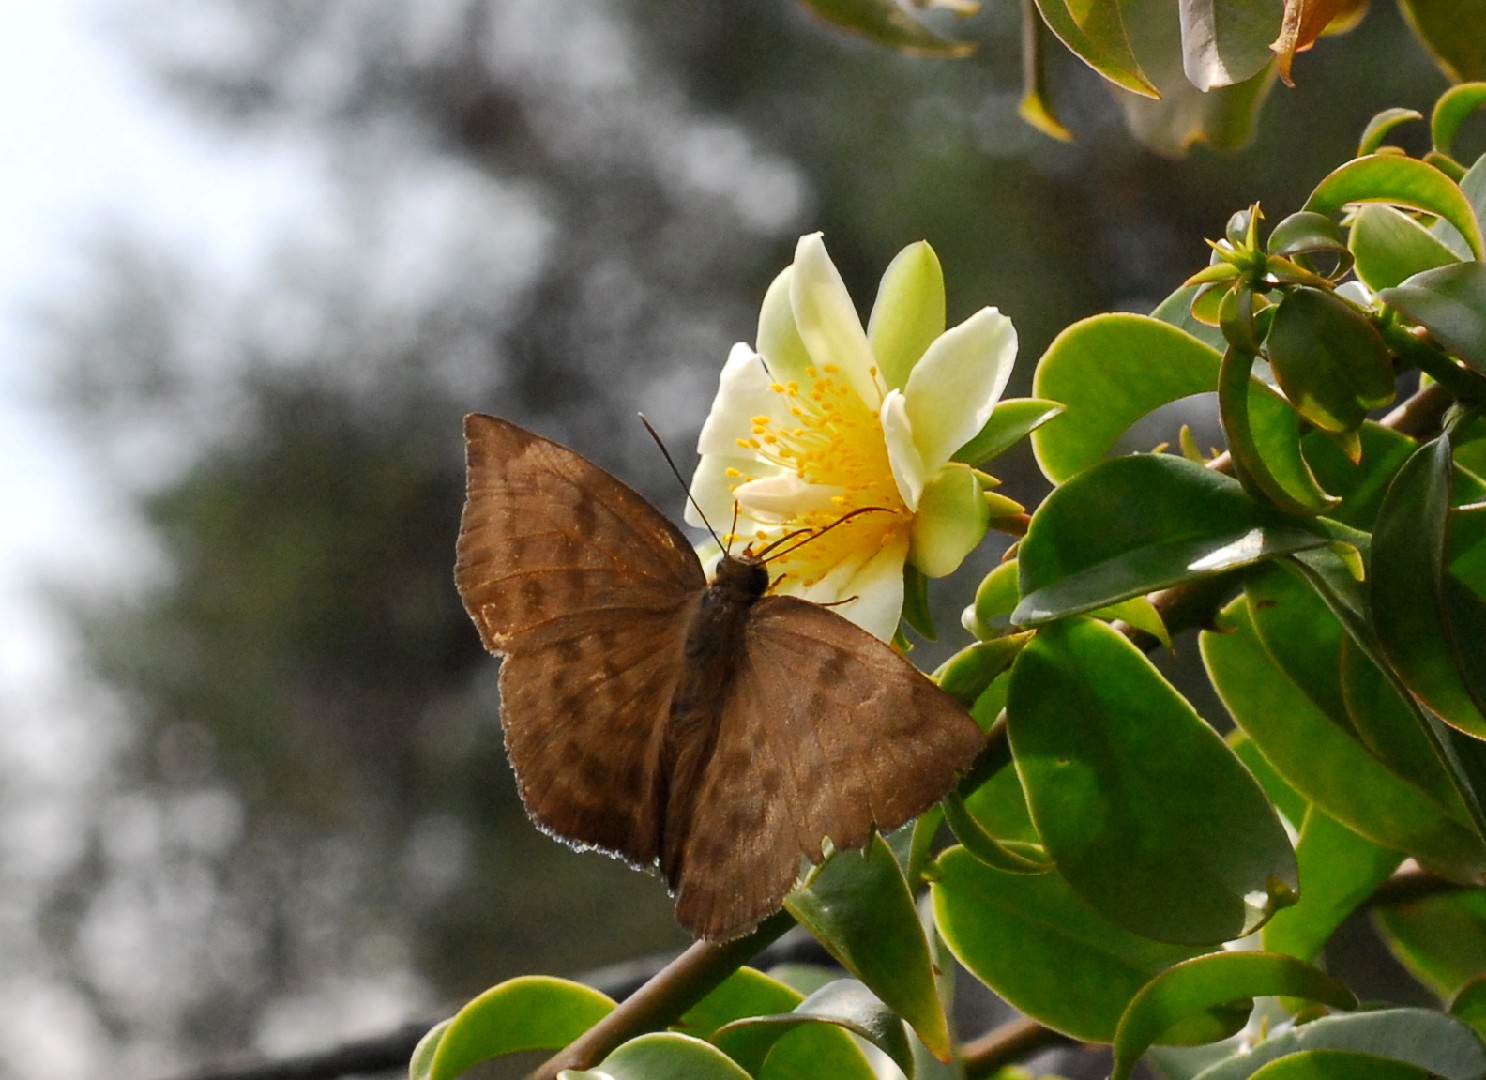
column 826, row 732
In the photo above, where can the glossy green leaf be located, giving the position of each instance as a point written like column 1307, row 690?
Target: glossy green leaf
column 1135, row 524
column 420, row 1065
column 1409, row 589
column 991, row 820
column 1380, row 126
column 1109, row 371
column 746, row 992
column 813, row 1040
column 1338, row 872
column 1453, row 109
column 1440, row 939
column 1401, row 181
column 1390, row 246
column 1470, row 1004
column 969, row 673
column 529, row 1013
column 1099, row 42
column 663, row 1055
column 1225, row 42
column 1034, row 942
column 1223, row 117
column 995, row 599
column 1011, row 421
column 1450, row 302
column 887, row 23
column 1328, row 359
column 1148, row 815
column 1265, row 441
column 858, row 905
column 1176, row 310
column 1339, row 1065
column 1322, row 762
column 1208, row 981
column 1431, row 1040
column 1437, row 25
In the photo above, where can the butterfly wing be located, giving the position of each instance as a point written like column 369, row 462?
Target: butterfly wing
column 826, row 733
column 586, row 589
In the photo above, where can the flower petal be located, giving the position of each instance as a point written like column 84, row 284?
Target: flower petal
column 711, row 487
column 874, row 586
column 908, row 314
column 902, row 453
column 952, row 390
column 743, row 392
column 952, row 517
column 778, row 338
column 828, row 321
column 785, row 497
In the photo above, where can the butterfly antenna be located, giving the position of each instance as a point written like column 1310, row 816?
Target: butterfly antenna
column 842, row 520
column 677, row 474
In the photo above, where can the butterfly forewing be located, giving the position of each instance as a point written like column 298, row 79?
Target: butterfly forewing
column 585, row 588
column 547, row 533
column 826, row 733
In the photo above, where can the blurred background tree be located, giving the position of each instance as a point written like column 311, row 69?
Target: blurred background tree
column 560, row 213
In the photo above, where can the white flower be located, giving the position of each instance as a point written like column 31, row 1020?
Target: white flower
column 826, row 418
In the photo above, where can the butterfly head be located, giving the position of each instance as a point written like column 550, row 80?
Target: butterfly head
column 745, row 574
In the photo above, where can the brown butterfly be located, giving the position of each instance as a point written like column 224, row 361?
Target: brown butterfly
column 710, row 729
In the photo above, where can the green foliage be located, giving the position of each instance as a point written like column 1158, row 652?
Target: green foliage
column 1191, row 72
column 1109, row 842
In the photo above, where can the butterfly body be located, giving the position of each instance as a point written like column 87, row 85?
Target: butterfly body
column 708, row 728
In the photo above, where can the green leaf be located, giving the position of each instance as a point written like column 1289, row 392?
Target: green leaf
column 1328, row 359
column 1304, row 235
column 1339, row 1065
column 1440, row 939
column 1322, row 762
column 1034, row 942
column 1223, row 117
column 1264, row 438
column 967, row 674
column 1380, row 126
column 1391, row 246
column 1422, row 1037
column 1148, row 815
column 1136, row 524
column 663, row 1055
column 1437, row 25
column 1338, row 871
column 1450, row 302
column 1470, row 1004
column 1361, row 483
column 420, row 1065
column 529, row 1013
column 1012, row 856
column 995, row 599
column 1208, row 981
column 886, row 23
column 1109, row 371
column 746, row 992
column 818, row 1043
column 1409, row 597
column 1453, row 108
column 1176, row 310
column 1011, row 421
column 1102, row 43
column 1226, row 41
column 858, row 905
column 1401, row 181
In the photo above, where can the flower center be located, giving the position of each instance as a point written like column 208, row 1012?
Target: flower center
column 834, row 450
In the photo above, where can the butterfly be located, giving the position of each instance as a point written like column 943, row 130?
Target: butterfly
column 712, row 730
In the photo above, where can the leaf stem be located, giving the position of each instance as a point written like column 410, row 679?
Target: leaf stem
column 1007, row 1044
column 674, row 989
